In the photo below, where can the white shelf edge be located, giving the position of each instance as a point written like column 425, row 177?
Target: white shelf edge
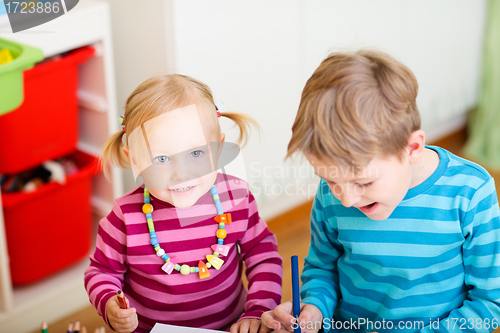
column 92, row 101
column 101, row 207
column 64, row 292
column 88, row 148
column 5, row 281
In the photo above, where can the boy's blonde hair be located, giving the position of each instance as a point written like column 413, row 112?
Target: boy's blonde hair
column 161, row 94
column 354, row 107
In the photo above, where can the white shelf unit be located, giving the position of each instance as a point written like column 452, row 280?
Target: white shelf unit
column 22, row 309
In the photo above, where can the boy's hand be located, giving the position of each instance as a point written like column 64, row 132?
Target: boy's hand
column 281, row 319
column 121, row 320
column 249, row 326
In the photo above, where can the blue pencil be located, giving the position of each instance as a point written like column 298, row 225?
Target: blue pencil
column 296, row 291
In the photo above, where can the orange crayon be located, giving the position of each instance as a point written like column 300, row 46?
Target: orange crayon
column 121, row 300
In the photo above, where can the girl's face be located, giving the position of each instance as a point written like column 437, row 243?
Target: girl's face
column 179, row 165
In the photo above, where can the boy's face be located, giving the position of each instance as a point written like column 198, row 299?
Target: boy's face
column 376, row 189
column 178, row 165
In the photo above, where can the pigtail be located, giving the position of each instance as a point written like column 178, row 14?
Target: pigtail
column 112, row 153
column 244, row 123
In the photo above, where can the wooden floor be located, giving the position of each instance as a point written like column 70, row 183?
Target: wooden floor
column 292, row 232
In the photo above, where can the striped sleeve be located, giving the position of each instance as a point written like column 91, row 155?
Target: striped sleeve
column 320, row 277
column 105, row 275
column 263, row 263
column 481, row 256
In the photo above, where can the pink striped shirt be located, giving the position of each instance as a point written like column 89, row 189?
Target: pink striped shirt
column 125, row 259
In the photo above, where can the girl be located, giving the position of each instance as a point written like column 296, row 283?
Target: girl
column 176, row 244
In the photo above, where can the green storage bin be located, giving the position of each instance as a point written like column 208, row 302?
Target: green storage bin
column 11, row 73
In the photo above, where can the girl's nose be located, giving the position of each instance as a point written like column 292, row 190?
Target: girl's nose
column 180, row 171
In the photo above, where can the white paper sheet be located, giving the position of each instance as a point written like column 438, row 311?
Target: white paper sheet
column 162, row 328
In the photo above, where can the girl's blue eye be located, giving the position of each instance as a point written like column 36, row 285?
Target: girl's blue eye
column 161, row 159
column 196, row 153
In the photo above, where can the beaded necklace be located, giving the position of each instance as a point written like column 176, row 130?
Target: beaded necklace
column 212, row 260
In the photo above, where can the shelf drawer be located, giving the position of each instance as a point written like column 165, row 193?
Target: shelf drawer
column 45, row 125
column 50, row 228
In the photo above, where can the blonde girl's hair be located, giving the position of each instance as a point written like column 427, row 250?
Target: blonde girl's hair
column 161, row 94
column 354, row 107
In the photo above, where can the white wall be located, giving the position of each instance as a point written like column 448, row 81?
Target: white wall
column 257, row 55
column 139, row 42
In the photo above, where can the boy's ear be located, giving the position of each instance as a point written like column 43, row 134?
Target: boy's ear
column 416, row 146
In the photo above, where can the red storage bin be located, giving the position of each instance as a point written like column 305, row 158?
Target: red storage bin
column 49, row 229
column 45, row 126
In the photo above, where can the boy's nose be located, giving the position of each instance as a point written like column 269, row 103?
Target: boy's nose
column 348, row 199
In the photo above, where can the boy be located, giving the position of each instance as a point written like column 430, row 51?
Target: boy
column 404, row 236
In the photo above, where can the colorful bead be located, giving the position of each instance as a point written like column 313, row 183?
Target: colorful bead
column 218, row 207
column 221, row 233
column 203, row 270
column 212, row 260
column 147, row 208
column 224, row 218
column 221, row 249
column 216, row 262
column 168, row 267
column 185, row 270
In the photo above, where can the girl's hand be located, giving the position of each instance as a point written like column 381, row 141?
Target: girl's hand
column 249, row 326
column 281, row 319
column 121, row 320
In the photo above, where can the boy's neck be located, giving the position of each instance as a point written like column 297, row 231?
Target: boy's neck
column 424, row 168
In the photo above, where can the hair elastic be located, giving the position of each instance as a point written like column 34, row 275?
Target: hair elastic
column 120, row 121
column 124, row 136
column 219, row 106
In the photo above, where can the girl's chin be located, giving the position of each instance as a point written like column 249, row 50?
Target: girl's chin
column 183, row 201
column 182, row 205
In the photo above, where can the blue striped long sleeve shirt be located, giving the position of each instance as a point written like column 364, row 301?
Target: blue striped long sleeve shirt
column 432, row 266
